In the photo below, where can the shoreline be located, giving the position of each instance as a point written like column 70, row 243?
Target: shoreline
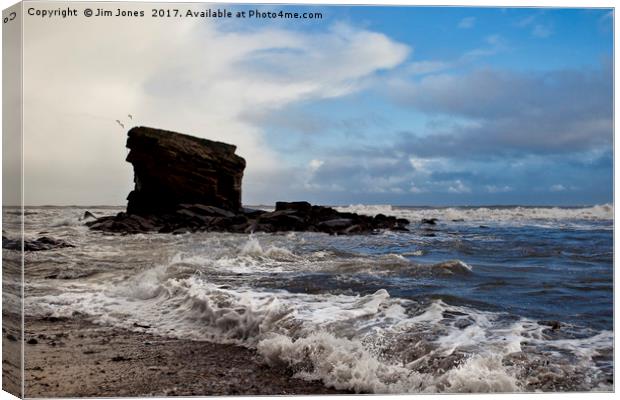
column 76, row 358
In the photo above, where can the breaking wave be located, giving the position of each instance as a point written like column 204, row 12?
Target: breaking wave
column 372, row 343
column 489, row 214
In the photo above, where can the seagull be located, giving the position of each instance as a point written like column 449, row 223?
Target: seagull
column 119, row 122
column 129, row 115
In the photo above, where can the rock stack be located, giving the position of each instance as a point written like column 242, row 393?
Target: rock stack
column 171, row 169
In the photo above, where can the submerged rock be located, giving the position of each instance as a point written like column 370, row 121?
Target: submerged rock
column 42, row 243
column 555, row 325
column 451, row 267
column 88, row 215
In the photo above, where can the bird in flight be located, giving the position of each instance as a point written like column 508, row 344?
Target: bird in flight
column 119, row 122
column 129, row 115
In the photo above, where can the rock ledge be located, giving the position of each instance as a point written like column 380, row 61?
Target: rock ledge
column 295, row 216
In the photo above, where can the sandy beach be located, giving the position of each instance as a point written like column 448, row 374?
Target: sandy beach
column 75, row 358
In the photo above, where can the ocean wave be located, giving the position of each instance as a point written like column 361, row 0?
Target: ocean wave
column 252, row 247
column 452, row 267
column 603, row 212
column 366, row 343
column 66, row 221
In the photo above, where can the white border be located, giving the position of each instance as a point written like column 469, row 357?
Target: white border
column 466, row 3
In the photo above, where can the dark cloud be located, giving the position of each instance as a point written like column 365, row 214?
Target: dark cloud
column 509, row 113
column 488, row 134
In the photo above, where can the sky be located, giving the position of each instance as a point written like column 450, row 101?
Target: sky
column 367, row 105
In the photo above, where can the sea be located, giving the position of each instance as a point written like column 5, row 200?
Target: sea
column 489, row 299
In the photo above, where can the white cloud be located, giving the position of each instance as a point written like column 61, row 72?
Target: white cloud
column 427, row 67
column 499, row 188
column 458, row 187
column 467, row 22
column 315, row 164
column 496, row 44
column 557, row 188
column 527, row 20
column 425, row 165
column 415, row 189
column 542, row 31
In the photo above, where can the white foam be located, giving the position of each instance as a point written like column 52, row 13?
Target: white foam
column 603, row 212
column 252, row 247
column 65, row 221
column 343, row 340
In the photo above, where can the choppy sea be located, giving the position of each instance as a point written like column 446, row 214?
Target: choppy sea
column 490, row 299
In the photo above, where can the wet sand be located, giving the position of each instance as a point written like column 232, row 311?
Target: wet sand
column 76, row 358
column 11, row 354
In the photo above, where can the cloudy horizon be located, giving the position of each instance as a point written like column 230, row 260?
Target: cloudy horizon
column 369, row 105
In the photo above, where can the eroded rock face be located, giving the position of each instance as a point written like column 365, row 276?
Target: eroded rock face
column 172, row 168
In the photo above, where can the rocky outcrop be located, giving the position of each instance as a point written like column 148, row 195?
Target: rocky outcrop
column 172, row 169
column 295, row 216
column 186, row 184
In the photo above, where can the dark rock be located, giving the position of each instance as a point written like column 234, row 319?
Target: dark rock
column 11, row 338
column 172, row 169
column 42, row 243
column 298, row 217
column 88, row 214
column 250, row 212
column 463, row 323
column 120, row 358
column 338, row 223
column 193, row 215
column 402, row 221
column 285, row 220
column 54, row 319
column 451, row 267
column 32, row 341
column 430, row 221
column 208, row 210
column 196, row 217
column 124, row 223
column 301, row 206
column 10, row 244
column 555, row 325
column 354, row 229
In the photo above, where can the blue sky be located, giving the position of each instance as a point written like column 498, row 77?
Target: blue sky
column 378, row 105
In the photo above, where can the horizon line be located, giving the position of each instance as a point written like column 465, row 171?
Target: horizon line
column 337, row 205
